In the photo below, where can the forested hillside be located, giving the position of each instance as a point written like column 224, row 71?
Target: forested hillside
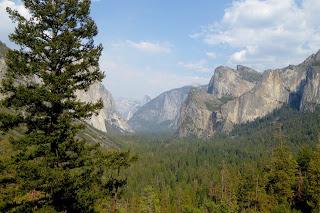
column 268, row 165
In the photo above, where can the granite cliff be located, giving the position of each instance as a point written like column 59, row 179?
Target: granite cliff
column 199, row 116
column 108, row 119
column 242, row 95
column 161, row 114
column 229, row 82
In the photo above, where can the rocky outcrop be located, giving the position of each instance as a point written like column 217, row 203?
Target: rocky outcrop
column 3, row 51
column 197, row 114
column 3, row 69
column 108, row 119
column 271, row 92
column 311, row 94
column 229, row 82
column 201, row 114
column 252, row 96
column 161, row 114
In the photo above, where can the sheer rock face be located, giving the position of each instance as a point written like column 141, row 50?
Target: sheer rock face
column 250, row 96
column 3, row 51
column 276, row 88
column 161, row 114
column 311, row 94
column 3, row 69
column 197, row 116
column 229, row 82
column 107, row 119
column 201, row 114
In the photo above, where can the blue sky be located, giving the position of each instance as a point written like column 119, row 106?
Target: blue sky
column 125, row 25
column 154, row 45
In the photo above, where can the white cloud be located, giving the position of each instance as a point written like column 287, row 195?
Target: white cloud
column 266, row 33
column 239, row 56
column 6, row 26
column 198, row 66
column 152, row 47
column 211, row 55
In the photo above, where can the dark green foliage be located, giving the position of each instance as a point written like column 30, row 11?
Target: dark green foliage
column 304, row 156
column 298, row 127
column 199, row 176
column 225, row 99
column 283, row 170
column 213, row 105
column 313, row 176
column 216, row 104
column 255, row 169
column 50, row 168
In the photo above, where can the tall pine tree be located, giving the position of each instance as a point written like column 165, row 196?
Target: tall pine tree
column 313, row 176
column 57, row 57
column 282, row 175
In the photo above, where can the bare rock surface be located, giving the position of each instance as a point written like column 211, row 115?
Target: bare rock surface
column 242, row 95
column 161, row 114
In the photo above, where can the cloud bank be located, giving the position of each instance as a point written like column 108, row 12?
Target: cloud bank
column 198, row 66
column 151, row 47
column 266, row 34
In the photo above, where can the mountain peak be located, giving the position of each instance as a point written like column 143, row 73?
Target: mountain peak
column 242, row 68
column 146, row 99
column 229, row 82
column 313, row 59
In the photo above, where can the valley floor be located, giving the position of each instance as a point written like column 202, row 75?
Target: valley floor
column 271, row 165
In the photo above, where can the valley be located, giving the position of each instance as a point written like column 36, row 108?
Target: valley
column 199, row 148
column 224, row 173
column 159, row 106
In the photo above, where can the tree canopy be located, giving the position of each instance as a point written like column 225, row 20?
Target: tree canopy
column 52, row 169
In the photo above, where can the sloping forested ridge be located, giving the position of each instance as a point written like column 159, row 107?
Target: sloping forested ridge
column 298, row 127
column 270, row 165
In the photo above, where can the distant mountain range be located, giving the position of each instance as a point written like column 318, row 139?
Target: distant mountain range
column 232, row 97
column 161, row 114
column 127, row 107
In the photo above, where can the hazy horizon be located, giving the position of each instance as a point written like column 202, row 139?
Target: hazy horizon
column 154, row 46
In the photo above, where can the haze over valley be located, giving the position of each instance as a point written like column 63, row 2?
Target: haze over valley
column 160, row 106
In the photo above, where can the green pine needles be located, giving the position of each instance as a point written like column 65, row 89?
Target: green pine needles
column 51, row 170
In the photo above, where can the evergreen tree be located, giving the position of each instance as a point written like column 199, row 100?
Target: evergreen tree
column 251, row 191
column 150, row 201
column 57, row 58
column 313, row 175
column 303, row 158
column 282, row 175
